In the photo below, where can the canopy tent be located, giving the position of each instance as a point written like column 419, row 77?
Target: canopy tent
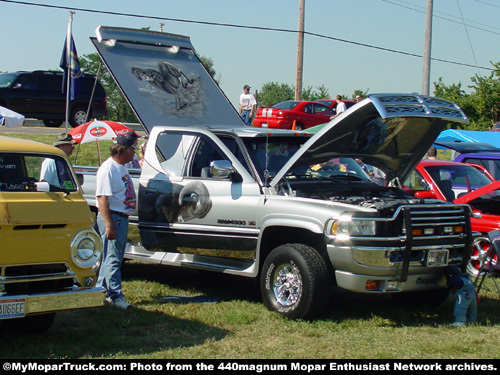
column 453, row 135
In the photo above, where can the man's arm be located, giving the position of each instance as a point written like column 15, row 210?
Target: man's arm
column 106, row 215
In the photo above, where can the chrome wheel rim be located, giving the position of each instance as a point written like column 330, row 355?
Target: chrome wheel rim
column 80, row 117
column 287, row 284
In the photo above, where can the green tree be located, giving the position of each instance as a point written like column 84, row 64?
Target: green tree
column 481, row 105
column 118, row 107
column 272, row 93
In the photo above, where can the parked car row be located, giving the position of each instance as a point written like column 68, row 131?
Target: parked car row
column 297, row 114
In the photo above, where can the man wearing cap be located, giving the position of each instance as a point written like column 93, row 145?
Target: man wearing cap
column 48, row 170
column 116, row 200
column 247, row 105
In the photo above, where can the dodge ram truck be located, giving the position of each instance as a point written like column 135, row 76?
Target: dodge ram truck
column 293, row 209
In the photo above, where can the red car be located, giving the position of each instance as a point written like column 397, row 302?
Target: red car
column 461, row 183
column 283, row 115
column 332, row 103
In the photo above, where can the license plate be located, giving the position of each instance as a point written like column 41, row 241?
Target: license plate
column 12, row 308
column 437, row 258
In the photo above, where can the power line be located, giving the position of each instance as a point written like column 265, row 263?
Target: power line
column 260, row 28
column 460, row 21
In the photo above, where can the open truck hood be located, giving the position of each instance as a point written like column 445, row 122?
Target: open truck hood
column 166, row 84
column 389, row 131
column 163, row 79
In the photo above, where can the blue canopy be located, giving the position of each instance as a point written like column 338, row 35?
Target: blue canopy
column 453, row 135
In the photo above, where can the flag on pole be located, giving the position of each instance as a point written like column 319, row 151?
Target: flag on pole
column 74, row 69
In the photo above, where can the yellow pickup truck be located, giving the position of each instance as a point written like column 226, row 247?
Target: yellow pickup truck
column 49, row 251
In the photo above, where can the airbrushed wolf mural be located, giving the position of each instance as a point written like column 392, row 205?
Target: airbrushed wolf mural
column 170, row 79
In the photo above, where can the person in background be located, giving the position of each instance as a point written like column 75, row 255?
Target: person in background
column 461, row 285
column 341, row 107
column 116, row 200
column 48, row 170
column 142, row 152
column 134, row 164
column 247, row 105
column 378, row 176
column 432, row 153
column 359, row 98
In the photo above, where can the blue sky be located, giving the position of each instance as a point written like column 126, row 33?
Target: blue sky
column 32, row 38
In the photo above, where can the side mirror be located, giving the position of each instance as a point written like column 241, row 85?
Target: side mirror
column 80, row 178
column 221, row 168
column 42, row 186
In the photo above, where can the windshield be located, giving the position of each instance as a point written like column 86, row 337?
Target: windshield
column 457, row 180
column 7, row 79
column 290, row 104
column 269, row 155
column 20, row 172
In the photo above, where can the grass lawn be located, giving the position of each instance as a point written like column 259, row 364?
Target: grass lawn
column 240, row 327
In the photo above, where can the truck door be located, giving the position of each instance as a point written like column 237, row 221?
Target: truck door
column 186, row 208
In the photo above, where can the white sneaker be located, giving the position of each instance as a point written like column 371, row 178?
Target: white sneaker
column 121, row 303
column 457, row 324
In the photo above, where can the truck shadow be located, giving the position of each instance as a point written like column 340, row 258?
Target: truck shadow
column 343, row 305
column 108, row 332
column 391, row 311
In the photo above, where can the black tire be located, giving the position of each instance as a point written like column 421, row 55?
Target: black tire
column 299, row 126
column 294, row 282
column 52, row 123
column 78, row 116
column 33, row 324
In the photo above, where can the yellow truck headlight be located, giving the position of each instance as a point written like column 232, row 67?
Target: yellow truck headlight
column 86, row 248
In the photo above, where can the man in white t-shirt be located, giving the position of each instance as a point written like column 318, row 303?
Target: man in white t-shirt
column 341, row 107
column 49, row 171
column 247, row 105
column 116, row 200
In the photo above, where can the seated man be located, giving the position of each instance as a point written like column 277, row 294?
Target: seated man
column 49, row 170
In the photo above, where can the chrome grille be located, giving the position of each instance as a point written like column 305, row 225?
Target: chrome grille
column 35, row 278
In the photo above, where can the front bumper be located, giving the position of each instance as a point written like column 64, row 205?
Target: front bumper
column 389, row 284
column 60, row 301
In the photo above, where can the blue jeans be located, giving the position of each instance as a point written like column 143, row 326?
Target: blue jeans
column 465, row 305
column 110, row 275
column 245, row 116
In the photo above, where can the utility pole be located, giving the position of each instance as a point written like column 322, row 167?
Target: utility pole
column 426, row 72
column 300, row 51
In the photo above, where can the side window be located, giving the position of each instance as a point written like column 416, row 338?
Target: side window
column 19, row 172
column 27, row 82
column 51, row 83
column 323, row 111
column 415, row 182
column 206, row 152
column 308, row 108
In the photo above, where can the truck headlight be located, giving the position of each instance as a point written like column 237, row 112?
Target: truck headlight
column 353, row 227
column 86, row 248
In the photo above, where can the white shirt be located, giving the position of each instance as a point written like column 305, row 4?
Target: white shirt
column 247, row 101
column 114, row 182
column 341, row 107
column 48, row 172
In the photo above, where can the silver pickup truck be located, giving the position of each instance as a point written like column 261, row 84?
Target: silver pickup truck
column 294, row 209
